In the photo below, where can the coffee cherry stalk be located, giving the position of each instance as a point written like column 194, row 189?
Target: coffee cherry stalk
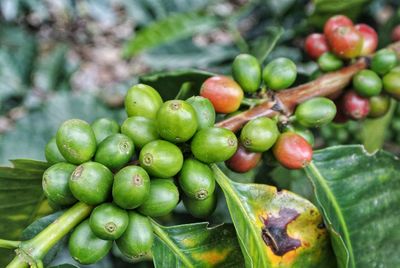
column 116, row 177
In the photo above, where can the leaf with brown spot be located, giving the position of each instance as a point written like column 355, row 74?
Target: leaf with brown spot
column 276, row 229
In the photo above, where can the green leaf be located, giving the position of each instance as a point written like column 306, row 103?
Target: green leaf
column 196, row 245
column 169, row 83
column 275, row 229
column 263, row 45
column 373, row 130
column 172, row 28
column 21, row 198
column 185, row 54
column 36, row 227
column 359, row 196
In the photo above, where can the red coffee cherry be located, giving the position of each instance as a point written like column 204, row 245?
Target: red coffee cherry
column 355, row 106
column 292, row 151
column 346, row 42
column 316, row 45
column 370, row 38
column 223, row 92
column 243, row 160
column 396, row 33
column 335, row 22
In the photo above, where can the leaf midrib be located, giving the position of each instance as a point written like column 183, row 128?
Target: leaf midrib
column 170, row 244
column 239, row 202
column 331, row 197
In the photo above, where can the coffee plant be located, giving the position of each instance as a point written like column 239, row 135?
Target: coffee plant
column 113, row 186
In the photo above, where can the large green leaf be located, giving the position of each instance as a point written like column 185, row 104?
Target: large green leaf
column 172, row 28
column 275, row 228
column 196, row 245
column 185, row 54
column 21, row 200
column 359, row 196
column 169, row 83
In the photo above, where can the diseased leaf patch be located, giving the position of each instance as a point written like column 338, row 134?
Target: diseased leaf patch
column 274, row 233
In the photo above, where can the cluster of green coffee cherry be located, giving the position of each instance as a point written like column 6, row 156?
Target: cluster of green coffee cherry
column 136, row 170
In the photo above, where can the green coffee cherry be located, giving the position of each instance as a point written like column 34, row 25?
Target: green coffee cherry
column 108, row 221
column 55, row 184
column 138, row 237
column 315, row 112
column 196, row 179
column 76, row 141
column 115, row 151
column 329, row 62
column 391, row 84
column 140, row 130
column 214, row 145
column 246, row 70
column 52, row 153
column 85, row 247
column 280, row 73
column 302, row 131
column 104, row 127
column 176, row 121
column 142, row 100
column 200, row 208
column 259, row 134
column 383, row 61
column 367, row 83
column 131, row 187
column 205, row 112
column 163, row 198
column 161, row 159
column 91, row 183
column 378, row 106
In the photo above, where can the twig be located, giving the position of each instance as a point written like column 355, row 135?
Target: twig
column 285, row 101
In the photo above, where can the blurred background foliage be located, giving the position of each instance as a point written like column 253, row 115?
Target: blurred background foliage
column 63, row 59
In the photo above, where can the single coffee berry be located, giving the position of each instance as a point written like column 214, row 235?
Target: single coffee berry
column 292, row 151
column 223, row 92
column 140, row 130
column 108, row 221
column 214, row 145
column 315, row 112
column 138, row 238
column 280, row 73
column 176, row 121
column 91, row 183
column 131, row 187
column 161, row 159
column 52, row 153
column 85, row 247
column 246, row 70
column 104, row 127
column 243, row 160
column 115, row 151
column 55, row 184
column 163, row 198
column 196, row 179
column 259, row 134
column 367, row 83
column 205, row 112
column 142, row 100
column 76, row 141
